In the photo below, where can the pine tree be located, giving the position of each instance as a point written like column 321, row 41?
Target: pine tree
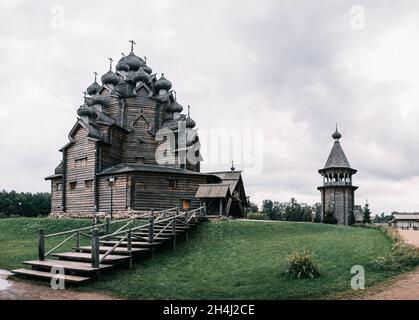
column 367, row 213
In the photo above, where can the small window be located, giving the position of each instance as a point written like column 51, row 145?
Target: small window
column 88, row 183
column 73, row 185
column 58, row 187
column 81, row 162
column 172, row 184
column 186, row 204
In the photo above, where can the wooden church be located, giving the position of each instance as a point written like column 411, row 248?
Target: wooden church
column 131, row 149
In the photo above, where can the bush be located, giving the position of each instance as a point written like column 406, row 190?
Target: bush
column 301, row 264
column 257, row 216
column 402, row 257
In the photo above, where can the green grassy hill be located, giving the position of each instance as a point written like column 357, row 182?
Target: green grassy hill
column 228, row 260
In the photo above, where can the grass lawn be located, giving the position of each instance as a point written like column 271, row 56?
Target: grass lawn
column 223, row 260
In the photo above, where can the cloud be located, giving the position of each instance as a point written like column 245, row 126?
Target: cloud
column 291, row 68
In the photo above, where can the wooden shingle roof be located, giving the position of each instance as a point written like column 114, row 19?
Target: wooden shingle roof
column 220, row 190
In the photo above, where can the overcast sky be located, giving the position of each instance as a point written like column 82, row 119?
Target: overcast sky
column 289, row 68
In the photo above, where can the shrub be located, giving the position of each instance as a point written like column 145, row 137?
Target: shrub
column 257, row 216
column 301, row 264
column 402, row 256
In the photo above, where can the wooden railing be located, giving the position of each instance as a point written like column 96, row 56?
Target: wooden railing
column 167, row 218
column 88, row 231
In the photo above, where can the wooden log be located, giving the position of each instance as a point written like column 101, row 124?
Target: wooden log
column 41, row 245
column 174, row 233
column 95, row 248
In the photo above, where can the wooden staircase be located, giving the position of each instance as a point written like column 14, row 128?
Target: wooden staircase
column 111, row 249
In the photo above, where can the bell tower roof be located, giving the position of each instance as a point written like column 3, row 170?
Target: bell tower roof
column 337, row 157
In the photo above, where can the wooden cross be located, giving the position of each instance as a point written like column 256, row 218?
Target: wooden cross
column 110, row 63
column 95, row 73
column 132, row 44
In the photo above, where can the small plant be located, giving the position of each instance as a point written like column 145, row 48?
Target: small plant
column 301, row 264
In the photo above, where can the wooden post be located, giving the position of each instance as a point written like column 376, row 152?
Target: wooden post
column 95, row 248
column 41, row 243
column 186, row 224
column 174, row 234
column 107, row 226
column 151, row 235
column 129, row 248
column 151, row 230
column 221, row 207
column 78, row 240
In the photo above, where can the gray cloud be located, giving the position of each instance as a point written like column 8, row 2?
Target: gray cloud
column 293, row 68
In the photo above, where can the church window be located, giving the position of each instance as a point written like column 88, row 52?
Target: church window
column 172, row 184
column 88, row 183
column 58, row 187
column 186, row 204
column 81, row 162
column 73, row 185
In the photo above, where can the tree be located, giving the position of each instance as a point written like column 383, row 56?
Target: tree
column 367, row 213
column 317, row 208
column 329, row 217
column 382, row 218
column 253, row 207
column 24, row 204
column 267, row 206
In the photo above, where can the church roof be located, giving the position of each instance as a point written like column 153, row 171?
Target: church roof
column 215, row 190
column 134, row 167
column 229, row 177
column 337, row 157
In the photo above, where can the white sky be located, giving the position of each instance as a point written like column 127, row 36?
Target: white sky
column 291, row 68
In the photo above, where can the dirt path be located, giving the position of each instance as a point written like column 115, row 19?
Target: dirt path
column 404, row 287
column 22, row 290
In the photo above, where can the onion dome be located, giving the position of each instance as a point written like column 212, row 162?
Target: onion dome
column 336, row 135
column 162, row 83
column 145, row 67
column 175, row 107
column 110, row 78
column 133, row 61
column 93, row 88
column 86, row 111
column 122, row 65
column 190, row 123
column 98, row 99
column 141, row 76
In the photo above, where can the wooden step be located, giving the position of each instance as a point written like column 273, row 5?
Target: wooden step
column 138, row 244
column 87, row 257
column 160, row 238
column 48, row 275
column 67, row 265
column 169, row 229
column 119, row 250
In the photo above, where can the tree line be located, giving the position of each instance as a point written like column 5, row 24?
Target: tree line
column 24, row 204
column 288, row 211
column 294, row 211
